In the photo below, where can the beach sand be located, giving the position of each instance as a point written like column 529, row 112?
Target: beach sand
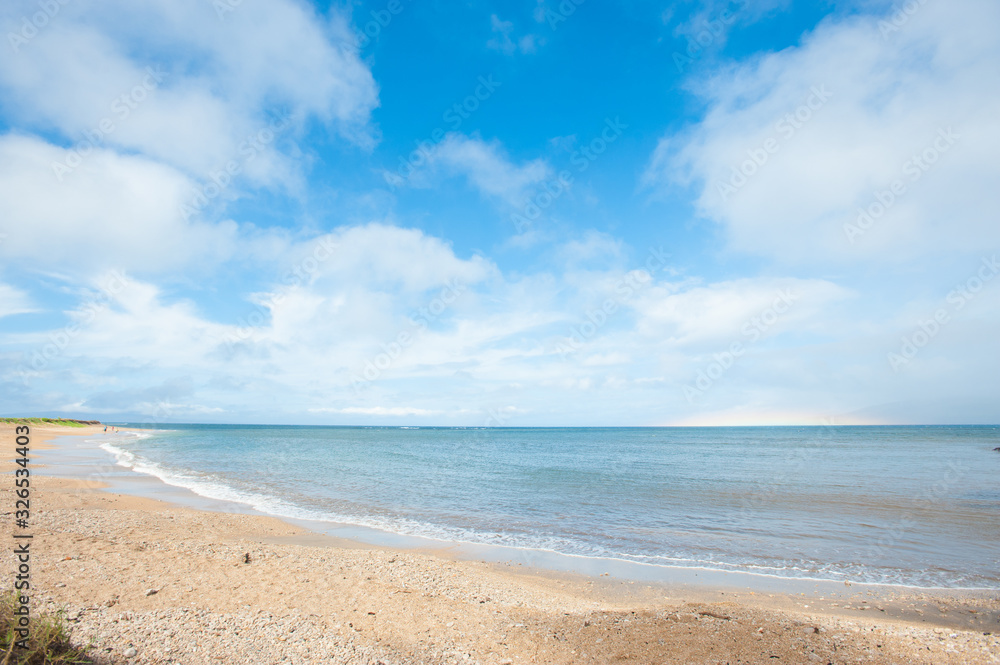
column 144, row 581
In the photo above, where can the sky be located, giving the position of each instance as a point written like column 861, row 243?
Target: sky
column 533, row 213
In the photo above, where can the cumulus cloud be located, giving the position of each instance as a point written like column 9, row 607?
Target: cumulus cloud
column 213, row 78
column 407, row 257
column 340, row 321
column 358, row 335
column 135, row 121
column 113, row 210
column 369, row 310
column 888, row 115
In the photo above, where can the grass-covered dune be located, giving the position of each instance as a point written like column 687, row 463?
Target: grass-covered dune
column 65, row 422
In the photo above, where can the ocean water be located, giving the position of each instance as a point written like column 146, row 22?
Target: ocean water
column 914, row 506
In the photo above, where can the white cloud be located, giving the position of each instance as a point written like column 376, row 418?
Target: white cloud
column 606, row 359
column 216, row 78
column 492, row 347
column 113, row 210
column 14, row 301
column 358, row 293
column 878, row 97
column 593, row 245
column 364, row 291
column 709, row 25
column 158, row 95
column 143, row 106
column 382, row 254
column 488, row 168
column 504, row 43
column 714, row 313
column 143, row 323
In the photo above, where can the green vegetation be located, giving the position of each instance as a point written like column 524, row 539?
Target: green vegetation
column 65, row 422
column 48, row 641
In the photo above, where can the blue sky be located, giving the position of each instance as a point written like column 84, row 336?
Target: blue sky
column 520, row 213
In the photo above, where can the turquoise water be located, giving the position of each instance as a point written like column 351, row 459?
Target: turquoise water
column 917, row 506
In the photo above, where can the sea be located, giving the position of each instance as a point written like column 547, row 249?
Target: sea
column 908, row 506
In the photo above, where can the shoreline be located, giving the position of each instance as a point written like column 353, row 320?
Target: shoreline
column 149, row 485
column 549, row 595
column 127, row 481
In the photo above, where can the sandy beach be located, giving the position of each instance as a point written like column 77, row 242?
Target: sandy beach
column 144, row 581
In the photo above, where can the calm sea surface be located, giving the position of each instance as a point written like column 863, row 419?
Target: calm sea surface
column 917, row 506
